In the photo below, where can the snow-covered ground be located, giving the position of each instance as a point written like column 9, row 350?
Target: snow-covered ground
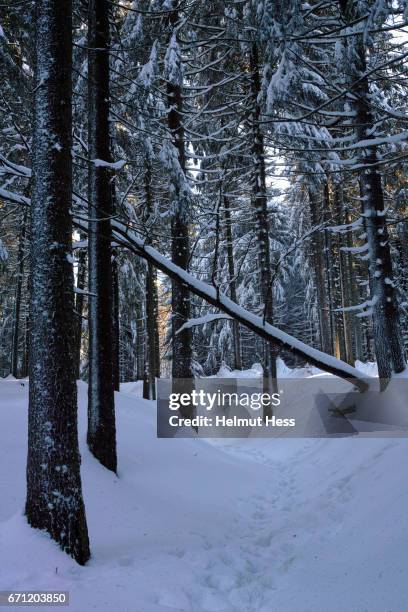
column 264, row 525
column 368, row 369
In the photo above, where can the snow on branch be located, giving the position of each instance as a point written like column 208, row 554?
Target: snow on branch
column 100, row 163
column 359, row 249
column 10, row 196
column 83, row 292
column 203, row 321
column 357, row 307
column 341, row 229
column 9, row 167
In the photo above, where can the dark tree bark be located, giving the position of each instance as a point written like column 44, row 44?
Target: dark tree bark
column 330, row 272
column 101, row 409
column 232, row 282
column 386, row 327
column 26, row 345
column 54, row 496
column 180, row 243
column 353, row 292
column 151, row 367
column 157, row 359
column 17, row 307
column 180, row 246
column 320, row 273
column 116, row 305
column 262, row 223
column 151, row 354
column 116, row 324
column 344, row 278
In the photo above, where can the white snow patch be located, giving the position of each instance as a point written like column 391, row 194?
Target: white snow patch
column 228, row 525
column 100, row 163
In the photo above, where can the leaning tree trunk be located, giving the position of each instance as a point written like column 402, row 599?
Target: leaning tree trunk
column 101, row 409
column 54, row 495
column 386, row 327
column 262, row 224
column 17, row 307
column 130, row 240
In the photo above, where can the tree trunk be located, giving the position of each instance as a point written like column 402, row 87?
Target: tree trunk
column 101, row 410
column 26, row 345
column 54, row 496
column 149, row 391
column 19, row 285
column 115, row 324
column 320, row 273
column 386, row 328
column 232, row 282
column 116, row 305
column 262, row 224
column 345, row 277
column 180, row 244
column 140, row 344
column 151, row 353
column 353, row 292
column 332, row 275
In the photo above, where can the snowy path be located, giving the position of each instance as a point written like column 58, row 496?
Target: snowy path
column 218, row 526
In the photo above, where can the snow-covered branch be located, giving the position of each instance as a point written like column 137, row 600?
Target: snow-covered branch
column 128, row 238
column 210, row 318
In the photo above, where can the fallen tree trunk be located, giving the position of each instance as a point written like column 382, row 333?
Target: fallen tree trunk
column 129, row 239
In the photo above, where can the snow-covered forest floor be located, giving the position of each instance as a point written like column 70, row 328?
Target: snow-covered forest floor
column 192, row 525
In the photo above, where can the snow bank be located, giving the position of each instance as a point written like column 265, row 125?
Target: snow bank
column 284, row 371
column 132, row 388
column 370, row 368
column 223, row 525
